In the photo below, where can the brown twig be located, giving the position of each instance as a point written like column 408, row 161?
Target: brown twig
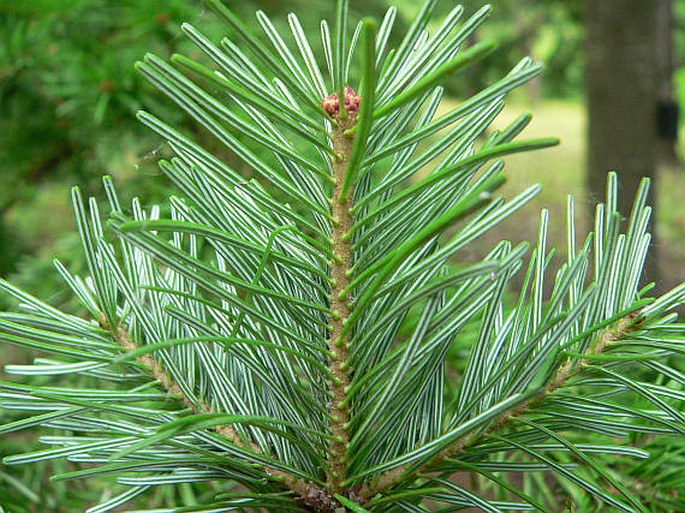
column 340, row 302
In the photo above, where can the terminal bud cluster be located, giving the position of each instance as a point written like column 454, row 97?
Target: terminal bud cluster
column 331, row 103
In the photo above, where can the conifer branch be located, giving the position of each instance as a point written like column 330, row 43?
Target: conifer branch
column 338, row 399
column 570, row 368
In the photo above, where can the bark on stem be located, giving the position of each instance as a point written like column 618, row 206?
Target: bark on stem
column 340, row 304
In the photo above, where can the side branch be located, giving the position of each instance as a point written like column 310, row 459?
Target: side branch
column 560, row 378
column 303, row 490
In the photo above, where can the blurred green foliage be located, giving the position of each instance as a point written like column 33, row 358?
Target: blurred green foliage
column 68, row 93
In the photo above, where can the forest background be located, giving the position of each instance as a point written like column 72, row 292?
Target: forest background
column 69, row 93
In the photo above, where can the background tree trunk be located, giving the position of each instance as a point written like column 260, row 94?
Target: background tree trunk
column 668, row 107
column 622, row 90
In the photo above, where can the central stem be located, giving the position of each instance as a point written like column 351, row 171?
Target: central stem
column 340, row 303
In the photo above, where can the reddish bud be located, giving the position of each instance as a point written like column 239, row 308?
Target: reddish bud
column 331, row 103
